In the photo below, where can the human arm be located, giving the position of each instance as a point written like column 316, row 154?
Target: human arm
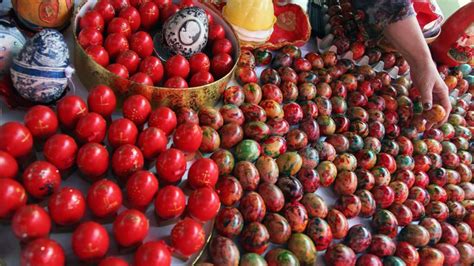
column 396, row 20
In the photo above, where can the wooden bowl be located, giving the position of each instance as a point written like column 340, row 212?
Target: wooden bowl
column 92, row 74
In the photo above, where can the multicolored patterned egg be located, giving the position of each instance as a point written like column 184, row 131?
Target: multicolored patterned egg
column 209, row 116
column 338, row 223
column 223, row 251
column 431, row 256
column 408, row 253
column 231, row 113
column 314, row 205
column 289, row 91
column 306, row 91
column 345, row 183
column 296, row 139
column 234, row 95
column 210, row 140
column 255, row 238
column 345, row 162
column 349, row 205
column 246, row 59
column 252, row 207
column 229, row 190
column 450, row 234
column 339, row 142
column 268, row 169
column 414, row 234
column 256, row 130
column 281, row 257
column 309, row 178
column 224, row 160
column 270, row 75
column 311, row 128
column 384, row 222
column 278, row 228
column 252, row 259
column 272, row 108
column 437, row 210
column 402, row 212
column 272, row 196
column 365, row 179
column 252, row 92
column 230, row 134
column 303, row 248
column 278, row 127
column 289, row 163
column 291, row 188
column 296, row 215
column 262, row 56
column 229, row 222
column 320, row 232
column 274, row 146
column 272, row 92
column 382, row 246
column 340, row 254
column 369, row 260
column 247, row 150
column 393, row 261
column 327, row 173
column 253, row 112
column 247, row 174
column 368, row 204
column 288, row 74
column 327, row 126
column 358, row 238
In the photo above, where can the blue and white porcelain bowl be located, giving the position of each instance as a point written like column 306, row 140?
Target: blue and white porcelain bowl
column 11, row 42
column 41, row 70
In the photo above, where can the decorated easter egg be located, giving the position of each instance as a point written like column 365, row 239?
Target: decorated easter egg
column 280, row 256
column 40, row 71
column 223, row 251
column 186, row 32
column 12, row 42
column 38, row 14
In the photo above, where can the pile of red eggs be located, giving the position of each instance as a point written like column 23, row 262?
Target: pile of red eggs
column 131, row 149
column 116, row 34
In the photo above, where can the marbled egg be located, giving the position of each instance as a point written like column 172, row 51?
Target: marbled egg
column 229, row 222
column 40, row 71
column 281, row 257
column 186, row 32
column 278, row 228
column 223, row 251
column 255, row 238
column 252, row 259
column 303, row 248
column 320, row 232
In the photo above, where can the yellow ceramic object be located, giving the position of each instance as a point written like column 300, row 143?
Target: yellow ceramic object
column 38, row 14
column 254, row 15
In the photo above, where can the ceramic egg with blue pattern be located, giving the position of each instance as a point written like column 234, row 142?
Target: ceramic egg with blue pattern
column 40, row 71
column 186, row 32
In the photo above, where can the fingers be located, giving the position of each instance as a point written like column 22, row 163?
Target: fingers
column 426, row 93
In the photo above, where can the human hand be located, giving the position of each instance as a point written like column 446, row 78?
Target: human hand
column 432, row 88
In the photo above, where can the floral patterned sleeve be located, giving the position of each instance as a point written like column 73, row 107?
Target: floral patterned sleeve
column 380, row 13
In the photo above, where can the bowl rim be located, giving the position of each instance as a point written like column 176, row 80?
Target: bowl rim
column 206, row 6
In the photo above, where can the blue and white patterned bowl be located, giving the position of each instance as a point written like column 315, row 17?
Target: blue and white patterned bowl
column 11, row 42
column 40, row 72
